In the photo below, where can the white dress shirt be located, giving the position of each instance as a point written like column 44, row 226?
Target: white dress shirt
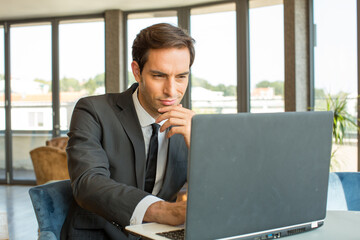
column 145, row 122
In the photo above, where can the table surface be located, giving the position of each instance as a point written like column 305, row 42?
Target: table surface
column 4, row 234
column 338, row 225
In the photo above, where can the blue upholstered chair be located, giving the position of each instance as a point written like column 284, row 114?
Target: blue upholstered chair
column 51, row 203
column 344, row 191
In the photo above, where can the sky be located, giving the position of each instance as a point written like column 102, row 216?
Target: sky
column 336, row 49
column 82, row 47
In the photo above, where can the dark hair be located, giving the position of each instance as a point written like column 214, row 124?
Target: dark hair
column 162, row 35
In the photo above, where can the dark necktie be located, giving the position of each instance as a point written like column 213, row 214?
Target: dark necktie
column 152, row 159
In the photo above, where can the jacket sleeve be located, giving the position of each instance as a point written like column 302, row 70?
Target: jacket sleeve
column 88, row 164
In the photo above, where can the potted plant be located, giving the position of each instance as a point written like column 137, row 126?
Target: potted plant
column 343, row 120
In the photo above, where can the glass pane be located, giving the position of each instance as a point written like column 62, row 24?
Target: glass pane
column 82, row 64
column 31, row 98
column 2, row 105
column 139, row 21
column 267, row 58
column 335, row 67
column 213, row 75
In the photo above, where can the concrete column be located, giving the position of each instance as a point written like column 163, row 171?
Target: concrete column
column 243, row 55
column 297, row 57
column 184, row 23
column 115, row 71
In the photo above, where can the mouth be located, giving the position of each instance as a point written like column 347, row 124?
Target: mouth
column 168, row 102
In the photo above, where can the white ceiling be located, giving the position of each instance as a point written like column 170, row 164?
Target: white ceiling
column 24, row 9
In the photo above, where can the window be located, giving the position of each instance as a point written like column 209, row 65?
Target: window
column 213, row 74
column 82, row 64
column 36, row 119
column 30, row 55
column 335, row 70
column 267, row 58
column 139, row 21
column 82, row 67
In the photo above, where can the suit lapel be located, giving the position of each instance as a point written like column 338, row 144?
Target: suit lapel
column 130, row 121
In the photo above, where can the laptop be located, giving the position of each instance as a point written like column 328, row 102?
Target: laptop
column 254, row 176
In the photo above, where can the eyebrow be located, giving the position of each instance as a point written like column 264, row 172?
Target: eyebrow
column 161, row 73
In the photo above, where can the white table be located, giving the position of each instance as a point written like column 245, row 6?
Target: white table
column 338, row 225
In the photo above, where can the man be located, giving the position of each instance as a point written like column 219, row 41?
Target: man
column 112, row 139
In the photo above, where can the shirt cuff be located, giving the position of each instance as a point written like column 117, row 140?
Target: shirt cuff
column 140, row 209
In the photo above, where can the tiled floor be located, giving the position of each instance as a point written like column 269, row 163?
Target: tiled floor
column 15, row 201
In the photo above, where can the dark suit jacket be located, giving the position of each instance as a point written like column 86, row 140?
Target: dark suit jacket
column 106, row 159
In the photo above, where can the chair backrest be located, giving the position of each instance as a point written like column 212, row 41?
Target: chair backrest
column 59, row 142
column 351, row 185
column 51, row 204
column 336, row 197
column 344, row 191
column 50, row 163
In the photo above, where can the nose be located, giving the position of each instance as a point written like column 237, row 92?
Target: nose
column 170, row 87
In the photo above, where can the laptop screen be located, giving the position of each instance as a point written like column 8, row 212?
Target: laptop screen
column 256, row 172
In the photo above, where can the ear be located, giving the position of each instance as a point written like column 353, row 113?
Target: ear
column 136, row 71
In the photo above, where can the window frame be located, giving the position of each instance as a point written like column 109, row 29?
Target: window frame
column 183, row 13
column 55, row 132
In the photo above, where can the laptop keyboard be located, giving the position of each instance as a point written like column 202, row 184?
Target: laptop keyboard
column 175, row 235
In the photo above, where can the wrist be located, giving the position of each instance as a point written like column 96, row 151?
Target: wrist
column 153, row 212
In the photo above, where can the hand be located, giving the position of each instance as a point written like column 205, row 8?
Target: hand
column 166, row 213
column 179, row 118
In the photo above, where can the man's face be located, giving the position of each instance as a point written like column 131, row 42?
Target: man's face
column 164, row 78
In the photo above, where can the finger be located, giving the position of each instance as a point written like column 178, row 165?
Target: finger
column 170, row 108
column 176, row 130
column 172, row 122
column 165, row 126
column 175, row 114
column 171, row 114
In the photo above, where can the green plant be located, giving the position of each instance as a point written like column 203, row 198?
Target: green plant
column 342, row 119
column 334, row 163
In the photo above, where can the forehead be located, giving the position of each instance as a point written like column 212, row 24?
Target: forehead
column 168, row 59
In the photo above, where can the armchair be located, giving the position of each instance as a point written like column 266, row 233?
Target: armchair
column 50, row 163
column 51, row 204
column 344, row 191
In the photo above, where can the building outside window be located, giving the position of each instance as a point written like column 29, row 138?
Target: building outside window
column 30, row 55
column 213, row 75
column 82, row 64
column 36, row 119
column 82, row 67
column 266, row 57
column 335, row 70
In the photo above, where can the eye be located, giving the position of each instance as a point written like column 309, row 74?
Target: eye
column 182, row 76
column 158, row 76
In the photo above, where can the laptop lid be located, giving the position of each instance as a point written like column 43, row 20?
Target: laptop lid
column 252, row 173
